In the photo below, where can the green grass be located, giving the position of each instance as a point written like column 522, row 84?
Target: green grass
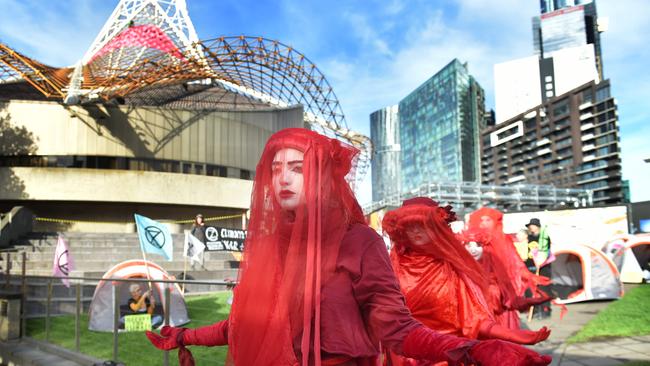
column 134, row 347
column 637, row 363
column 629, row 316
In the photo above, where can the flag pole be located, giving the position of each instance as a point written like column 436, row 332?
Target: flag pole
column 144, row 255
column 146, row 265
column 184, row 274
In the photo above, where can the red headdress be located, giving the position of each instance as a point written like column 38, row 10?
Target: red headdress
column 444, row 244
column 500, row 258
column 275, row 319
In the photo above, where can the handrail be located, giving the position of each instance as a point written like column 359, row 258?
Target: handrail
column 78, row 282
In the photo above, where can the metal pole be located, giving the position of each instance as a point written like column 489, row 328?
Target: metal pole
column 166, row 312
column 8, row 269
column 47, row 310
column 23, row 297
column 77, row 315
column 116, row 319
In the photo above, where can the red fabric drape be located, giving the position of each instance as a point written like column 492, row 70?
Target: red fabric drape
column 275, row 318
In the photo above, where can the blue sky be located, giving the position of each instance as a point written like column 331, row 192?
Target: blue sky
column 374, row 52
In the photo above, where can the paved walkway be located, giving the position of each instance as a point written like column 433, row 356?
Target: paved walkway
column 614, row 351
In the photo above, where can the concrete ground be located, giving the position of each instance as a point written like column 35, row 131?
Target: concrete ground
column 610, row 352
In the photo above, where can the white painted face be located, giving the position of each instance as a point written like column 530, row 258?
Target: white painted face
column 417, row 235
column 486, row 223
column 475, row 249
column 288, row 181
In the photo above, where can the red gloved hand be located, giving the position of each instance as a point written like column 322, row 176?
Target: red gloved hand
column 425, row 344
column 172, row 337
column 524, row 303
column 530, row 336
column 520, row 336
column 494, row 352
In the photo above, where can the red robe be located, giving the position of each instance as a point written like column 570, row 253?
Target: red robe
column 439, row 298
column 362, row 304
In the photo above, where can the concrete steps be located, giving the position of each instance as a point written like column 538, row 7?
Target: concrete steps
column 94, row 254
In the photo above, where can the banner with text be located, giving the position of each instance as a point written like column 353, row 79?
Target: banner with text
column 223, row 239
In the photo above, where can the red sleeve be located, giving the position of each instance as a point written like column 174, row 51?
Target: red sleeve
column 377, row 292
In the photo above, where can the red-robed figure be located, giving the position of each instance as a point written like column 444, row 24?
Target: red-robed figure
column 445, row 288
column 316, row 286
column 506, row 273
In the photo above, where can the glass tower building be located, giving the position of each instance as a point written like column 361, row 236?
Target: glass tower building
column 384, row 133
column 565, row 24
column 439, row 128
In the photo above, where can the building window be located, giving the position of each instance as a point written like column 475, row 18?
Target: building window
column 602, row 94
column 561, row 108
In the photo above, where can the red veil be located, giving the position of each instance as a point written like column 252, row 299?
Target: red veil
column 502, row 254
column 275, row 318
column 441, row 267
column 445, row 246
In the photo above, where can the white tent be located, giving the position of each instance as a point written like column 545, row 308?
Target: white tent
column 101, row 311
column 582, row 273
column 631, row 254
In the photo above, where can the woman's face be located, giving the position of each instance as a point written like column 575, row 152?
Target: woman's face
column 288, row 180
column 417, row 235
column 475, row 249
column 486, row 223
column 199, row 220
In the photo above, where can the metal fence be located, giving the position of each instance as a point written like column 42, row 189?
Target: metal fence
column 25, row 284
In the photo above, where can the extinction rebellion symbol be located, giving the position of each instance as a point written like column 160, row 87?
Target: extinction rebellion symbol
column 154, row 236
column 62, row 262
column 212, row 234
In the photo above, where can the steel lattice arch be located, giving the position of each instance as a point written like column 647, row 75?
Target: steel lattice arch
column 149, row 46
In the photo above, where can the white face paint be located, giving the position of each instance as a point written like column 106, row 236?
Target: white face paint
column 475, row 249
column 288, row 181
column 417, row 235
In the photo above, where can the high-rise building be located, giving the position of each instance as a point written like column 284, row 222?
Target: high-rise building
column 565, row 24
column 439, row 128
column 569, row 141
column 524, row 83
column 431, row 136
column 384, row 133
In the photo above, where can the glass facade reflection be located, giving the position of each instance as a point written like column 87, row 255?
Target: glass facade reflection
column 384, row 133
column 439, row 127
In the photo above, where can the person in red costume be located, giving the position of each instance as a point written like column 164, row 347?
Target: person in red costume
column 444, row 286
column 502, row 297
column 505, row 266
column 316, row 285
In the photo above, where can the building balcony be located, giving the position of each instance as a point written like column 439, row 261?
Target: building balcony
column 586, row 116
column 585, row 105
column 586, row 126
column 543, row 141
column 588, row 136
column 543, row 151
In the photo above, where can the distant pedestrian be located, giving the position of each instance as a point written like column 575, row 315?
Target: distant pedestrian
column 198, row 228
column 539, row 249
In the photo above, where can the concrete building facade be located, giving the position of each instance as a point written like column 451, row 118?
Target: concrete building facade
column 570, row 141
column 102, row 163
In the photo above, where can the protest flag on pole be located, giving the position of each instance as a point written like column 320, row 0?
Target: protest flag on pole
column 193, row 247
column 63, row 263
column 154, row 237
